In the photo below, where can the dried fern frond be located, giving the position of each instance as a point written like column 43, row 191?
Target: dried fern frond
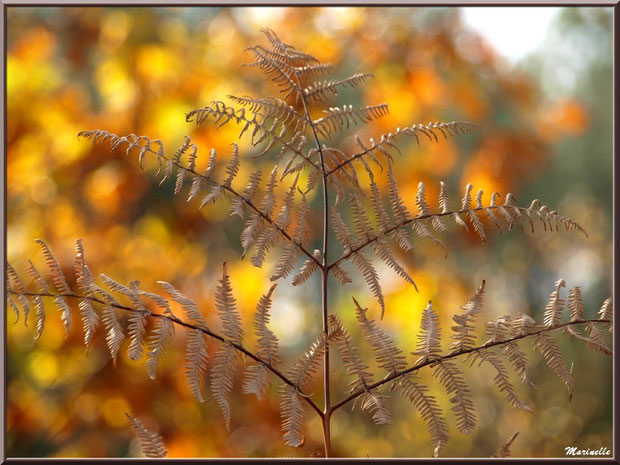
column 463, row 337
column 60, row 282
column 388, row 356
column 429, row 410
column 550, row 351
column 322, row 90
column 452, row 381
column 38, row 301
column 300, row 374
column 429, row 338
column 504, row 450
column 196, row 358
column 224, row 363
column 257, row 376
column 151, row 444
column 337, row 118
column 553, row 310
column 19, row 286
column 159, row 342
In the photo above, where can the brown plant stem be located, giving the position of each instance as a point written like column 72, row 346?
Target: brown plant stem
column 324, row 282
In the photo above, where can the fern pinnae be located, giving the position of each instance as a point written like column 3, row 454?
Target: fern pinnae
column 307, row 269
column 389, row 357
column 371, row 277
column 383, row 252
column 372, row 401
column 114, row 331
column 462, row 332
column 152, row 445
column 504, row 450
column 21, row 290
column 574, row 303
column 429, row 410
column 607, row 312
column 159, row 342
column 60, row 282
column 519, row 362
column 189, row 306
column 553, row 310
column 429, row 338
column 224, row 364
column 452, row 381
column 550, row 351
column 319, row 90
column 300, row 375
column 501, row 379
column 257, row 376
column 38, row 301
column 196, row 358
column 90, row 319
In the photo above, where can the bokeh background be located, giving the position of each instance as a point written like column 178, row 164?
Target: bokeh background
column 544, row 131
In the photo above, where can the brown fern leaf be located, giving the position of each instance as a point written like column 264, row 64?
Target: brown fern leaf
column 574, row 303
column 388, row 356
column 61, row 284
column 224, row 365
column 354, row 364
column 114, row 331
column 504, row 450
column 237, row 204
column 90, row 319
column 607, row 312
column 19, row 286
column 321, row 90
column 371, row 277
column 307, row 269
column 38, row 302
column 340, row 275
column 429, row 338
column 152, row 445
column 501, row 378
column 553, row 310
column 462, row 406
column 196, row 358
column 189, row 306
column 257, row 376
column 429, row 410
column 292, row 412
column 462, row 332
column 158, row 344
column 270, row 107
column 338, row 118
column 553, row 357
column 519, row 361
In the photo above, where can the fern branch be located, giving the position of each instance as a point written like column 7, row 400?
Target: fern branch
column 418, row 219
column 116, row 140
column 179, row 322
column 397, row 374
column 387, row 140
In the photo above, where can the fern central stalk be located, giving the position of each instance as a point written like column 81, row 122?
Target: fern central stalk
column 324, row 277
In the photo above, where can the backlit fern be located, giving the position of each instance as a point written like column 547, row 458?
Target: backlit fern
column 369, row 223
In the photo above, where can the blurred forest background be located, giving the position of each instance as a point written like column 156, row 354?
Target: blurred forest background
column 544, row 131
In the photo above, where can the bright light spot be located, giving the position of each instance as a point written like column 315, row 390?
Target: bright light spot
column 513, row 31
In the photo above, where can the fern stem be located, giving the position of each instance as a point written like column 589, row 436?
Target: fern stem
column 398, row 374
column 180, row 322
column 324, row 281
